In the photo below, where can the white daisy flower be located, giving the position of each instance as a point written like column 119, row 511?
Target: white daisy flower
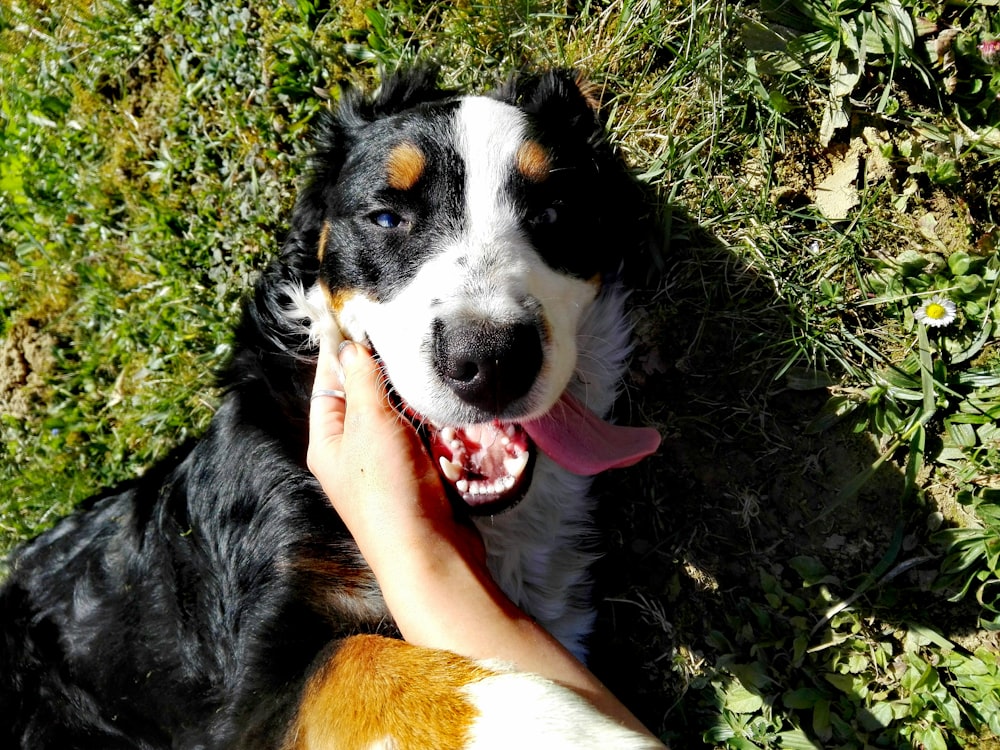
column 936, row 312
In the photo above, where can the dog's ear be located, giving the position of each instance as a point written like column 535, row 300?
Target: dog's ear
column 558, row 99
column 329, row 152
column 407, row 88
column 399, row 91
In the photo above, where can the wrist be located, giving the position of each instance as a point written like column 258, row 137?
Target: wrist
column 443, row 596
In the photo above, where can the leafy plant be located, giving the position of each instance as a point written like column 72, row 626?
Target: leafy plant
column 855, row 41
column 953, row 52
column 794, row 678
column 954, row 381
column 972, row 556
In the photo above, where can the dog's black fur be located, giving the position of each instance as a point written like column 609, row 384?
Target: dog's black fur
column 184, row 609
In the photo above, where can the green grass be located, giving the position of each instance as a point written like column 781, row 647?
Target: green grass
column 814, row 559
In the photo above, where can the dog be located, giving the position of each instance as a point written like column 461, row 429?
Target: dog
column 475, row 244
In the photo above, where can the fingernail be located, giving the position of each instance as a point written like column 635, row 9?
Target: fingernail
column 346, row 353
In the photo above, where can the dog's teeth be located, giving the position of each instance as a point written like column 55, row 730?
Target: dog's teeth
column 507, row 482
column 504, row 440
column 462, row 485
column 510, row 430
column 456, row 446
column 450, row 469
column 515, row 464
column 448, row 434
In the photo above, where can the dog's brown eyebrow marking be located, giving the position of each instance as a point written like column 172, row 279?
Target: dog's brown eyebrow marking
column 534, row 161
column 405, row 166
column 324, row 238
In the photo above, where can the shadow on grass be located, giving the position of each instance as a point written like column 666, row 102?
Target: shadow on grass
column 714, row 547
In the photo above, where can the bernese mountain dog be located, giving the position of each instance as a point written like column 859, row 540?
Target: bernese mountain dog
column 475, row 244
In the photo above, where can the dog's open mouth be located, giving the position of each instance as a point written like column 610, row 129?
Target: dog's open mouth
column 488, row 467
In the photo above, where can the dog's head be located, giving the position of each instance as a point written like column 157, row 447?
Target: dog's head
column 463, row 238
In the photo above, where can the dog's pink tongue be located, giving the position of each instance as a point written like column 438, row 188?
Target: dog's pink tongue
column 576, row 439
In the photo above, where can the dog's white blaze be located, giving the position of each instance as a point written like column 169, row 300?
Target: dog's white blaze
column 488, row 271
column 489, row 134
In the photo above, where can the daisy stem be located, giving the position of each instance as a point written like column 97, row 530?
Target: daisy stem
column 926, row 376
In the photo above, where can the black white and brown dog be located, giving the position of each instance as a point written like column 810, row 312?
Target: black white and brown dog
column 474, row 243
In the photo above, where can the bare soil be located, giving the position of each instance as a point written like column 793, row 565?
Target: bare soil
column 26, row 357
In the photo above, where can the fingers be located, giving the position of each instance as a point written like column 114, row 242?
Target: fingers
column 347, row 395
column 370, row 460
column 327, row 412
column 329, row 373
column 361, row 380
column 390, row 440
column 361, row 434
column 365, row 382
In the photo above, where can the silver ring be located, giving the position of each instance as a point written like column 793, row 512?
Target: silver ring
column 321, row 392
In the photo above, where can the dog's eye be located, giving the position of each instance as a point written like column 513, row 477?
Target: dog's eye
column 545, row 218
column 387, row 219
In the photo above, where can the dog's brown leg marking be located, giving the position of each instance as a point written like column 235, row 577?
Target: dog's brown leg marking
column 376, row 689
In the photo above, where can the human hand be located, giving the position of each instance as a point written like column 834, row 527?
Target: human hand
column 374, row 467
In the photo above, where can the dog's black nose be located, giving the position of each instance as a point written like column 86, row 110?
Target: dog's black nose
column 488, row 366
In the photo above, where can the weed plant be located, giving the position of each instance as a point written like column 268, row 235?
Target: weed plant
column 814, row 559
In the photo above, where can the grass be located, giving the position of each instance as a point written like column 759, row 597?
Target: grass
column 814, row 559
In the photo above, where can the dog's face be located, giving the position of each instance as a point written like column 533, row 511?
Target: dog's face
column 452, row 232
column 463, row 239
